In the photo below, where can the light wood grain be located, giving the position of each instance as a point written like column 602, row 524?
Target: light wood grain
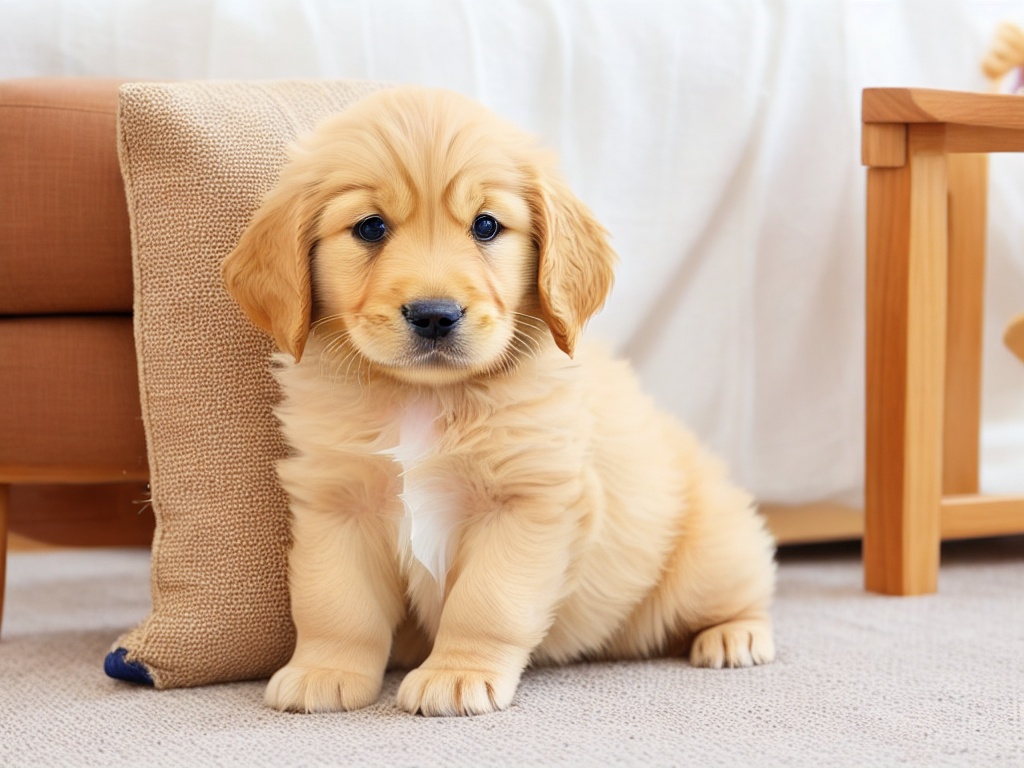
column 812, row 523
column 906, row 294
column 888, row 237
column 962, row 516
column 971, row 516
column 926, row 351
column 967, row 138
column 924, row 105
column 967, row 177
column 974, row 122
column 883, row 145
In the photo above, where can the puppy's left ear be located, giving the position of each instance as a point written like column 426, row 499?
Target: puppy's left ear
column 575, row 270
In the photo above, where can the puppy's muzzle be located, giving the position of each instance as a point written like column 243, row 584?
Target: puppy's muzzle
column 433, row 318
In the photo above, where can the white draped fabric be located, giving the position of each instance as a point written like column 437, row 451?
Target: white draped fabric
column 718, row 140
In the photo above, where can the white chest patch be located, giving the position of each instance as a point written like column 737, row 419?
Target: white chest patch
column 431, row 505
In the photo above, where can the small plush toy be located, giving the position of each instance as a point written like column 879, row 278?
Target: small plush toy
column 1006, row 54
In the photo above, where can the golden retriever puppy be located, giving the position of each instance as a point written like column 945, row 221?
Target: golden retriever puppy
column 472, row 489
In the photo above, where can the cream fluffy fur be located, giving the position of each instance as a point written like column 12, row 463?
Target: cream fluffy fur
column 469, row 504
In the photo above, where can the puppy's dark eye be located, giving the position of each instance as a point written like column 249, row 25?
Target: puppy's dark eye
column 372, row 229
column 485, row 227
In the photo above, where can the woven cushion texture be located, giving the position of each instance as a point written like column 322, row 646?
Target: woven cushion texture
column 197, row 159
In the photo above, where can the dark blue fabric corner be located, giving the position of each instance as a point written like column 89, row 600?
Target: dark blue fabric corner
column 116, row 666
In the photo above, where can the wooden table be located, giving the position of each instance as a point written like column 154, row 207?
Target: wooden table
column 925, row 297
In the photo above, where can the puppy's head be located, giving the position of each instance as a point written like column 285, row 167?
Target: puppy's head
column 423, row 234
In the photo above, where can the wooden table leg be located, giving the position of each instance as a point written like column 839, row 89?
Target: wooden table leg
column 906, row 336
column 968, row 193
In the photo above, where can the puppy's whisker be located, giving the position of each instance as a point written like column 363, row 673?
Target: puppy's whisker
column 333, row 340
column 361, row 365
column 532, row 326
column 531, row 336
column 337, row 375
column 334, row 343
column 346, row 362
column 320, row 321
column 528, row 345
column 338, row 357
column 512, row 355
column 517, row 349
column 526, row 314
column 538, row 322
column 336, row 340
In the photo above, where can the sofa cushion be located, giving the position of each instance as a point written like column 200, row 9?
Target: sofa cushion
column 80, row 515
column 70, row 404
column 196, row 159
column 63, row 220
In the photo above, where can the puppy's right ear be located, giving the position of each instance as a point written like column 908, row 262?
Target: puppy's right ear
column 268, row 271
column 576, row 263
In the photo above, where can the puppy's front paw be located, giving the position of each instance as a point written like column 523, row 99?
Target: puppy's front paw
column 318, row 689
column 449, row 692
column 742, row 643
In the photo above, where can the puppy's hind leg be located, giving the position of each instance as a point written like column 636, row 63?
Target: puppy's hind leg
column 722, row 575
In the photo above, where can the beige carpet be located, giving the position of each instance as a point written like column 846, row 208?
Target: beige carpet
column 861, row 680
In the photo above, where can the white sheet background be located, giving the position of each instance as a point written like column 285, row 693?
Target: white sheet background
column 717, row 139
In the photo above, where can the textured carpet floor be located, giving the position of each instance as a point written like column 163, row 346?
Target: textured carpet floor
column 860, row 680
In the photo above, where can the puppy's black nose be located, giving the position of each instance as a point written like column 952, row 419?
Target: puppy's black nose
column 433, row 318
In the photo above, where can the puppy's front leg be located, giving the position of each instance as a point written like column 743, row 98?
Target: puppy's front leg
column 508, row 577
column 346, row 602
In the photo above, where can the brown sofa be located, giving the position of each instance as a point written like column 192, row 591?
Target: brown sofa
column 72, row 448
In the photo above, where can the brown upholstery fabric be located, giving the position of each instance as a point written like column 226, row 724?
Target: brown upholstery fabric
column 64, row 244
column 101, row 515
column 197, row 158
column 70, row 397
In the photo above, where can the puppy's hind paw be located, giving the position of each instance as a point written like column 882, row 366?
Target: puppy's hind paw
column 315, row 689
column 741, row 643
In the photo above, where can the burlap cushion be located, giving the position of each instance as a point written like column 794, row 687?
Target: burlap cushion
column 196, row 159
